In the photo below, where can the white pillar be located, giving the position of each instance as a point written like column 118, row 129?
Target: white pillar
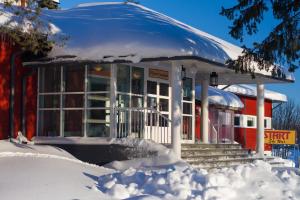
column 113, row 91
column 176, row 112
column 260, row 108
column 204, row 110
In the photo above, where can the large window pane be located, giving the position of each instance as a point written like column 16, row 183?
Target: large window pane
column 123, row 78
column 137, row 102
column 99, row 78
column 73, row 123
column 49, row 123
column 98, row 123
column 137, row 80
column 164, row 104
column 49, row 101
column 73, row 100
column 152, row 102
column 187, row 89
column 74, row 79
column 151, row 87
column 50, row 79
column 164, row 89
column 123, row 100
column 187, row 108
column 98, row 100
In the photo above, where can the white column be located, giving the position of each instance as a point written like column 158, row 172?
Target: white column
column 176, row 111
column 113, row 91
column 260, row 108
column 204, row 110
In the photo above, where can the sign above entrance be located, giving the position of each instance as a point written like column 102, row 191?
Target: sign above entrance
column 158, row 73
column 280, row 137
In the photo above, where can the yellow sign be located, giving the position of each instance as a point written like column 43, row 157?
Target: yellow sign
column 158, row 73
column 280, row 137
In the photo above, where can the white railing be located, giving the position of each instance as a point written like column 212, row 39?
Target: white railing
column 146, row 123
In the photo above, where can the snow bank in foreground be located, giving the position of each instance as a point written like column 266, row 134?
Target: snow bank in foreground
column 162, row 155
column 253, row 181
column 30, row 172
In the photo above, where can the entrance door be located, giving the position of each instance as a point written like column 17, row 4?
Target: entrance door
column 157, row 127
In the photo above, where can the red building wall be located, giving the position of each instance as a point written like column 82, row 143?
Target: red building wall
column 247, row 136
column 6, row 52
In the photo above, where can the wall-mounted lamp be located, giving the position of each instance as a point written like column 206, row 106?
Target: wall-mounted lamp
column 213, row 79
column 183, row 73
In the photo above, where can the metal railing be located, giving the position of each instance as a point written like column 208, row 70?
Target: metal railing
column 146, row 123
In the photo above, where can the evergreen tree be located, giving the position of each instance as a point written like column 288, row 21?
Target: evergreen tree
column 26, row 29
column 282, row 44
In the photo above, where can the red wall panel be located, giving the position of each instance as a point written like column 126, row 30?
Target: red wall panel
column 6, row 51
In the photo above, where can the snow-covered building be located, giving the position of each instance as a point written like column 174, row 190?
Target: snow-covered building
column 245, row 120
column 233, row 114
column 125, row 71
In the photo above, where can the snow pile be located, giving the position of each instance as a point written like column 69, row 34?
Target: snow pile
column 253, row 181
column 221, row 98
column 44, row 172
column 162, row 155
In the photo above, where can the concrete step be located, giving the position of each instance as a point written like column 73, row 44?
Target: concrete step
column 220, row 163
column 215, row 157
column 211, row 152
column 209, row 146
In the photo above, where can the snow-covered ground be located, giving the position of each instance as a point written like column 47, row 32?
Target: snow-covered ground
column 45, row 172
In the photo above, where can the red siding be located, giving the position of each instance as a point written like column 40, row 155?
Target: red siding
column 5, row 58
column 250, row 106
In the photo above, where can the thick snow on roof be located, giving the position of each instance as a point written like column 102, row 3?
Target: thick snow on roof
column 250, row 90
column 221, row 98
column 119, row 31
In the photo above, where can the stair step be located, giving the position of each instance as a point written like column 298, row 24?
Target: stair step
column 221, row 163
column 214, row 157
column 210, row 146
column 194, row 152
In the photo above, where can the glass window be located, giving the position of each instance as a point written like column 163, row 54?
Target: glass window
column 73, row 100
column 122, row 100
column 152, row 102
column 74, row 79
column 250, row 122
column 164, row 104
column 98, row 100
column 98, row 123
column 49, row 123
column 265, row 123
column 164, row 89
column 49, row 101
column 123, row 78
column 237, row 121
column 50, row 79
column 137, row 102
column 163, row 121
column 73, row 123
column 151, row 87
column 137, row 82
column 187, row 108
column 98, row 78
column 187, row 89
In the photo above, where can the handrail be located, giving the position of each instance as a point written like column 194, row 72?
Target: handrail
column 143, row 122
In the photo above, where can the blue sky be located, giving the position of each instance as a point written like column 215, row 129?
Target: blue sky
column 204, row 15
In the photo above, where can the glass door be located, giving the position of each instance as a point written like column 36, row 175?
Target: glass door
column 158, row 96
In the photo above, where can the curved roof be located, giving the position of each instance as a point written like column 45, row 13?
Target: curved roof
column 250, row 90
column 221, row 98
column 119, row 31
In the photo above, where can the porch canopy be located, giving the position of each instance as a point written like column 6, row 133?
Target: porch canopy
column 221, row 98
column 126, row 32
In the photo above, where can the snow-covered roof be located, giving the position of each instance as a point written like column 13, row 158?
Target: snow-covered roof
column 221, row 98
column 118, row 31
column 250, row 90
